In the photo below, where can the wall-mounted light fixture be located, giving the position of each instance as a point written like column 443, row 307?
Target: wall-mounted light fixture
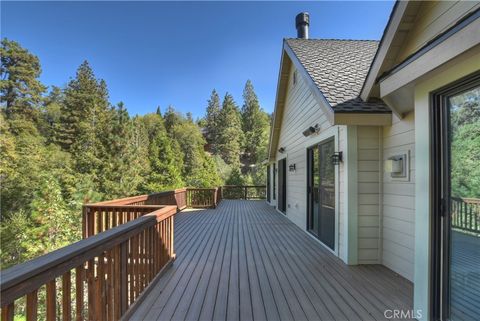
column 292, row 167
column 281, row 150
column 397, row 166
column 337, row 158
column 311, row 130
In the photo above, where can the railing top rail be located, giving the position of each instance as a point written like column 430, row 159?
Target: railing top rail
column 243, row 186
column 152, row 207
column 123, row 201
column 202, row 188
column 467, row 200
column 49, row 266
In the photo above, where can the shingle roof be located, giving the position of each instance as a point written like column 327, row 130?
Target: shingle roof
column 338, row 68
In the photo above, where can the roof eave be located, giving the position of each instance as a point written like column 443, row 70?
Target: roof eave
column 393, row 24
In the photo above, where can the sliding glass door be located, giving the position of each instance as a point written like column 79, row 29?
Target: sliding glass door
column 456, row 163
column 321, row 192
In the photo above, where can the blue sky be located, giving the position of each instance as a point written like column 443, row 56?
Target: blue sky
column 162, row 53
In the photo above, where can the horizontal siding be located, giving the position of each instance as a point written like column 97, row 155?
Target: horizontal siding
column 398, row 214
column 368, row 159
column 434, row 17
column 300, row 111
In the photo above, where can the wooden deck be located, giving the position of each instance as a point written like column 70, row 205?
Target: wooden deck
column 465, row 285
column 245, row 261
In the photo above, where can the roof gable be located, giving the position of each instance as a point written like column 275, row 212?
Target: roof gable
column 338, row 69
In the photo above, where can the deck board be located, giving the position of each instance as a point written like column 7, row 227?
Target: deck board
column 245, row 261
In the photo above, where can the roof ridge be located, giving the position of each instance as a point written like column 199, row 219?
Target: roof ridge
column 332, row 39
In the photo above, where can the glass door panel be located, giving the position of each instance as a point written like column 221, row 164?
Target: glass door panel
column 321, row 192
column 463, row 224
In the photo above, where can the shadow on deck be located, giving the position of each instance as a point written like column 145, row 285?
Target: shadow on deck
column 245, row 261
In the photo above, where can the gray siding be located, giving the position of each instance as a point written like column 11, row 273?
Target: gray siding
column 399, row 200
column 368, row 144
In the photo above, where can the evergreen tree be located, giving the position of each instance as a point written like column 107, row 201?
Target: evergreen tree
column 127, row 163
column 212, row 121
column 199, row 169
column 255, row 125
column 165, row 168
column 84, row 121
column 21, row 90
column 230, row 135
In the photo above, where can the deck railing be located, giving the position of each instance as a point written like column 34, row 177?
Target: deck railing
column 126, row 245
column 248, row 192
column 203, row 197
column 102, row 277
column 466, row 214
column 102, row 216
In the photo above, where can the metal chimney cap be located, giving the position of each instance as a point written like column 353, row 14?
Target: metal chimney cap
column 302, row 18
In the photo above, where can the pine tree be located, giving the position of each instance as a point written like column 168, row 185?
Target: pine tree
column 165, row 169
column 230, row 135
column 84, row 120
column 255, row 125
column 211, row 121
column 127, row 163
column 21, row 90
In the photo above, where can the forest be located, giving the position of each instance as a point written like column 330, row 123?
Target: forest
column 64, row 146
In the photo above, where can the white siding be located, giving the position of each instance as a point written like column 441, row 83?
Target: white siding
column 399, row 200
column 301, row 110
column 434, row 17
column 368, row 145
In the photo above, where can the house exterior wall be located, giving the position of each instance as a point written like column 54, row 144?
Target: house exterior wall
column 434, row 17
column 368, row 158
column 398, row 199
column 462, row 67
column 301, row 110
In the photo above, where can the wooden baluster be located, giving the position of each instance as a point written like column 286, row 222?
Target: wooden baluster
column 91, row 289
column 79, row 276
column 152, row 252
column 116, row 281
column 32, row 306
column 51, row 301
column 471, row 217
column 123, row 278
column 100, row 289
column 84, row 222
column 108, row 284
column 171, row 232
column 66, row 297
column 135, row 267
column 8, row 312
column 130, row 270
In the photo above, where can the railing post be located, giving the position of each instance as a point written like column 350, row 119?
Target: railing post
column 214, row 197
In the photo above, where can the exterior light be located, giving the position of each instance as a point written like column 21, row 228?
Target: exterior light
column 292, row 167
column 311, row 130
column 337, row 158
column 281, row 150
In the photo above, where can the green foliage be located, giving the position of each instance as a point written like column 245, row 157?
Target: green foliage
column 166, row 170
column 465, row 146
column 255, row 125
column 20, row 89
column 230, row 135
column 71, row 145
column 212, row 121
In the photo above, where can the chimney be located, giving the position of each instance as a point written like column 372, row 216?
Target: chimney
column 302, row 20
